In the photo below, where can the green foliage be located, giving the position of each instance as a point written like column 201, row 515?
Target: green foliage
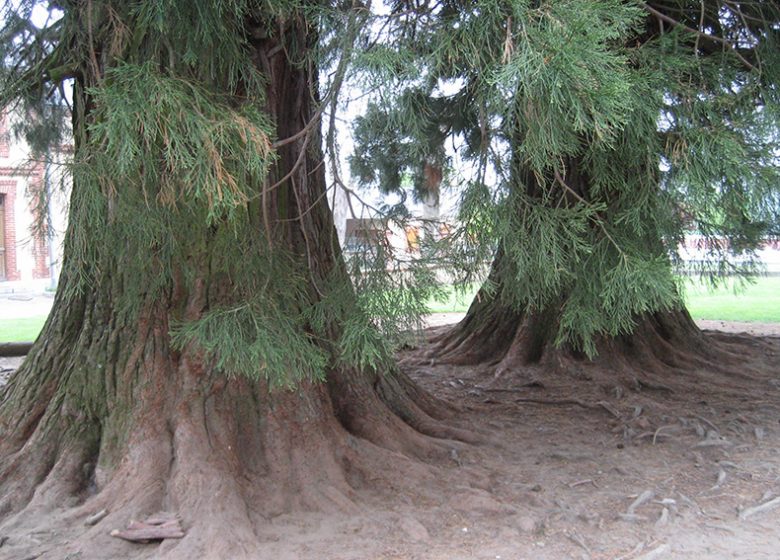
column 210, row 155
column 378, row 306
column 593, row 135
column 257, row 339
column 174, row 156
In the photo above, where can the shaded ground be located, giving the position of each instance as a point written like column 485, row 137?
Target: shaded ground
column 570, row 468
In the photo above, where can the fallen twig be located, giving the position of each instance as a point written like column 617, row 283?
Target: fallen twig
column 761, row 508
column 658, row 431
column 581, row 482
column 156, row 527
column 663, row 519
column 712, row 442
column 95, row 518
column 721, row 479
column 710, row 424
column 641, row 499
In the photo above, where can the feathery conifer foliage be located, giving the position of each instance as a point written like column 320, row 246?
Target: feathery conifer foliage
column 599, row 133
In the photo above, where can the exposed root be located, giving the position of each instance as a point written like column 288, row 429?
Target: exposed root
column 226, row 456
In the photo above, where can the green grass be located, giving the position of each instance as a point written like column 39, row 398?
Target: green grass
column 758, row 302
column 21, row 330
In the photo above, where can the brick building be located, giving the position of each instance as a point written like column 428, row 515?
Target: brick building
column 30, row 243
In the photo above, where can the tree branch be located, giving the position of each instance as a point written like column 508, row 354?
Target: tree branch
column 699, row 34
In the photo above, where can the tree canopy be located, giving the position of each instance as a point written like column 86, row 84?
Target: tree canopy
column 598, row 134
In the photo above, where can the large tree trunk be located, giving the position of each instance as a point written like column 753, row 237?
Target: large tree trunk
column 666, row 353
column 497, row 333
column 105, row 413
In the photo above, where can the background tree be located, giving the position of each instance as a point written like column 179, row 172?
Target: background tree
column 206, row 352
column 612, row 128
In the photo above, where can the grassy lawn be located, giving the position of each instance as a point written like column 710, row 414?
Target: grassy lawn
column 21, row 330
column 758, row 302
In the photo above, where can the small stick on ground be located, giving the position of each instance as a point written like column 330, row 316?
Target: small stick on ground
column 658, row 431
column 710, row 424
column 641, row 499
column 95, row 518
column 761, row 508
column 720, row 481
column 712, row 442
column 663, row 519
column 581, row 482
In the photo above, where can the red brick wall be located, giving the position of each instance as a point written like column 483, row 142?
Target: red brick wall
column 8, row 188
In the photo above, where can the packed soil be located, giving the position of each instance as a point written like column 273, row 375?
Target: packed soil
column 569, row 466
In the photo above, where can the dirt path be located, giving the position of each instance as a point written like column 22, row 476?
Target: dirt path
column 665, row 481
column 568, row 469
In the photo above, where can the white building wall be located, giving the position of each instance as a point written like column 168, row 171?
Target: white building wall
column 30, row 255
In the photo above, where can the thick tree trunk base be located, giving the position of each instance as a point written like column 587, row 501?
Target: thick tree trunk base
column 225, row 461
column 225, row 456
column 663, row 347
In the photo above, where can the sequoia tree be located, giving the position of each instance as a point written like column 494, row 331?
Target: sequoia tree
column 600, row 132
column 206, row 353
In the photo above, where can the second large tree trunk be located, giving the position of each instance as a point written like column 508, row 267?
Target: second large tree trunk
column 495, row 333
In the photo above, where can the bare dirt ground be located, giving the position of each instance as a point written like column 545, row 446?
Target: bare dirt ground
column 569, row 468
